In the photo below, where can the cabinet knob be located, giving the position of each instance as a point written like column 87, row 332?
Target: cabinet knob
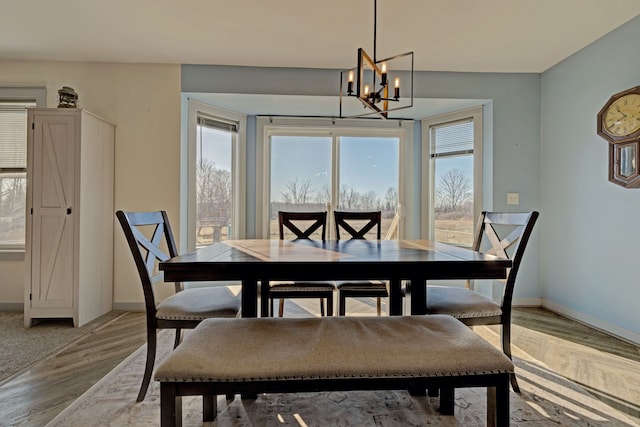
column 68, row 211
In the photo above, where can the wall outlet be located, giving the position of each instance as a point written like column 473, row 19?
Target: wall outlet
column 513, row 198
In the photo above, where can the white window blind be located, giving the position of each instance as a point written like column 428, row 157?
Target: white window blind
column 13, row 135
column 452, row 139
column 218, row 124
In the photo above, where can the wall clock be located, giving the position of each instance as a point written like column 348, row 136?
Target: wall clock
column 619, row 119
column 619, row 124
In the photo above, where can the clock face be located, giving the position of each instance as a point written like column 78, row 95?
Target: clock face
column 623, row 116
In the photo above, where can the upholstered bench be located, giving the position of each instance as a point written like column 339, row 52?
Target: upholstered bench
column 275, row 355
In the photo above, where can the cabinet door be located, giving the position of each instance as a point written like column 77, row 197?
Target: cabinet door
column 52, row 267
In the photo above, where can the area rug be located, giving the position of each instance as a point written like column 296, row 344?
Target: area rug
column 546, row 399
column 40, row 341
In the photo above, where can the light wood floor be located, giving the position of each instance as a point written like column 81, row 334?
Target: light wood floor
column 41, row 392
column 608, row 367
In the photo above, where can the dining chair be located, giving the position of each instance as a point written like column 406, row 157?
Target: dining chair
column 357, row 225
column 151, row 241
column 504, row 234
column 303, row 225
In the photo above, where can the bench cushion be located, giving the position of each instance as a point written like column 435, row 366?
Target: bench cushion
column 257, row 349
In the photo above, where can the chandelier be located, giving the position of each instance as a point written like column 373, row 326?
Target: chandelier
column 370, row 81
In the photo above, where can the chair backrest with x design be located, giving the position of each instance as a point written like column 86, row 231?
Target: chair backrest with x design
column 347, row 220
column 294, row 220
column 502, row 234
column 147, row 251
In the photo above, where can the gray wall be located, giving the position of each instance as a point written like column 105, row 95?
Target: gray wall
column 515, row 128
column 589, row 265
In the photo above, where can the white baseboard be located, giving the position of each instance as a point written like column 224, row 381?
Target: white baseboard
column 12, row 306
column 526, row 302
column 601, row 325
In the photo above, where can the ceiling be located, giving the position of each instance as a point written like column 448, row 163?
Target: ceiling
column 446, row 35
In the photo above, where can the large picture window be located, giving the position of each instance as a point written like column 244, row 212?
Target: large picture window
column 317, row 168
column 215, row 209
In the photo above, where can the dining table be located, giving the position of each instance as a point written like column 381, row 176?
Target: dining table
column 252, row 261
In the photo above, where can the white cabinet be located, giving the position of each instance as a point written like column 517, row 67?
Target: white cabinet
column 69, row 230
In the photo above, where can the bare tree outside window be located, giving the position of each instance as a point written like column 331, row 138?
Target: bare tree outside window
column 348, row 197
column 324, row 195
column 454, row 208
column 213, row 198
column 297, row 193
column 391, row 199
column 453, row 191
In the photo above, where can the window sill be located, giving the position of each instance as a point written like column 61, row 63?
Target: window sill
column 11, row 255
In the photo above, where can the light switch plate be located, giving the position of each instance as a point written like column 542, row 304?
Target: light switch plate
column 513, row 198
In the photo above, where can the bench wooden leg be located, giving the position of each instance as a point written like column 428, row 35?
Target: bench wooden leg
column 209, row 408
column 417, row 391
column 447, row 400
column 498, row 405
column 170, row 406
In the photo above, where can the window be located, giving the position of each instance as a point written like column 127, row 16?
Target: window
column 216, row 193
column 315, row 165
column 300, row 177
column 13, row 163
column 452, row 171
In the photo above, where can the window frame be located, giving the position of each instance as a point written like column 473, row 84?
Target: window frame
column 428, row 170
column 267, row 126
column 23, row 94
column 238, row 172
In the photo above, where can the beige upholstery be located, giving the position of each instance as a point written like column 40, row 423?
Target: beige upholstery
column 250, row 349
column 198, row 304
column 461, row 303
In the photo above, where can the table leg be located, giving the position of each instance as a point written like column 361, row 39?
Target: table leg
column 249, row 298
column 394, row 288
column 418, row 297
column 249, row 309
column 264, row 298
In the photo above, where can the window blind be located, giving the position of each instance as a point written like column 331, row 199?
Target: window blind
column 218, row 124
column 13, row 135
column 452, row 138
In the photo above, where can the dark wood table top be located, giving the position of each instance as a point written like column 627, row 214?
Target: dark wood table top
column 330, row 259
column 394, row 260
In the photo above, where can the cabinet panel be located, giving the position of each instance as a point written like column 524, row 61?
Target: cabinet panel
column 53, row 194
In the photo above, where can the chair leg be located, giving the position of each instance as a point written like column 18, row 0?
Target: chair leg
column 176, row 342
column 506, row 348
column 342, row 302
column 322, row 307
column 281, row 308
column 379, row 306
column 148, row 369
column 329, row 306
